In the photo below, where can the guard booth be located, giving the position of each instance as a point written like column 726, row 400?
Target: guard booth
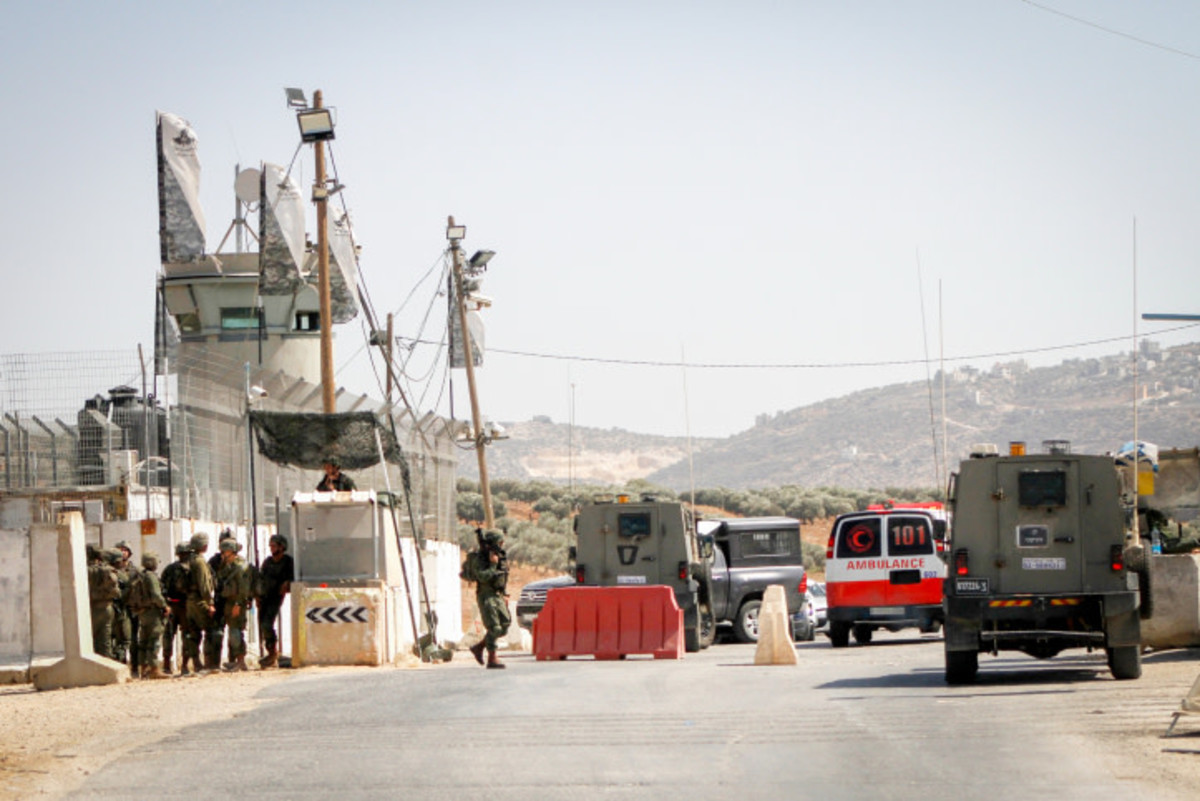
column 359, row 587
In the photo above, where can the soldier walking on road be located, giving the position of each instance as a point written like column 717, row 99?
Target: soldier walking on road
column 147, row 602
column 174, row 589
column 488, row 569
column 199, row 614
column 103, row 589
column 234, row 582
column 274, row 581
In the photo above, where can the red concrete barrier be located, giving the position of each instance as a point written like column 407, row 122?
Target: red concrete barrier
column 609, row 623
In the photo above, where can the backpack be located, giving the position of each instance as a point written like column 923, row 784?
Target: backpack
column 139, row 598
column 102, row 584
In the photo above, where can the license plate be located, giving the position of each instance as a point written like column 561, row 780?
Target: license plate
column 1044, row 563
column 631, row 579
column 887, row 610
column 971, row 586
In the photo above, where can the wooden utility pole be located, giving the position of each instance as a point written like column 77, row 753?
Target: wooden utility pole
column 321, row 198
column 489, row 518
column 387, row 354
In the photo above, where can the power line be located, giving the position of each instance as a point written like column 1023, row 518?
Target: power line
column 803, row 365
column 1113, row 31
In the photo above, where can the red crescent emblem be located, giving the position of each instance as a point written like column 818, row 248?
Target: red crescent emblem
column 860, row 539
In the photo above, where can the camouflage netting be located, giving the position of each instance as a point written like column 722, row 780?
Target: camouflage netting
column 306, row 440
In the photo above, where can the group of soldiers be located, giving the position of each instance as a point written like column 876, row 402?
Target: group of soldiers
column 136, row 613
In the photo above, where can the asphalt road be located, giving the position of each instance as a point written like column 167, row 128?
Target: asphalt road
column 866, row 722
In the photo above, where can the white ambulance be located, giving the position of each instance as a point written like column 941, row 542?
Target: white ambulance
column 885, row 568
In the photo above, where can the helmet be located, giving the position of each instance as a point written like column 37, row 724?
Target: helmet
column 332, row 459
column 493, row 536
column 150, row 560
column 183, row 548
column 124, row 546
column 230, row 545
column 113, row 556
column 226, row 534
column 280, row 540
column 199, row 541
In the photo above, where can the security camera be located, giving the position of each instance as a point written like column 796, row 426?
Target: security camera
column 257, row 392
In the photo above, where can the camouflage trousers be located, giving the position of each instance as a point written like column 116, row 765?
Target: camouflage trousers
column 172, row 626
column 150, row 634
column 197, row 621
column 102, row 620
column 237, row 634
column 121, row 635
column 214, row 638
column 493, row 611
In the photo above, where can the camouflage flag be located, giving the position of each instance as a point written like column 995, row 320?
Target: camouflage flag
column 180, row 218
column 474, row 325
column 343, row 267
column 281, row 232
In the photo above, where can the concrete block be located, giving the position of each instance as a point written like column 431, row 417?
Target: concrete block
column 80, row 667
column 14, row 589
column 45, row 591
column 342, row 625
column 1175, row 586
column 774, row 640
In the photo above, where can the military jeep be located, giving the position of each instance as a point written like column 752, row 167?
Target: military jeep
column 623, row 542
column 1038, row 562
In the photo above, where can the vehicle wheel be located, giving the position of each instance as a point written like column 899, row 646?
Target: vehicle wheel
column 839, row 633
column 812, row 634
column 961, row 667
column 1125, row 662
column 691, row 631
column 745, row 628
column 931, row 626
column 863, row 634
column 708, row 626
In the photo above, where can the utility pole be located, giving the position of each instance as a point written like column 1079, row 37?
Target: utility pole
column 320, row 196
column 387, row 354
column 454, row 234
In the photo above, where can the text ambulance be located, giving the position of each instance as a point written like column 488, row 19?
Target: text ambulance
column 884, row 569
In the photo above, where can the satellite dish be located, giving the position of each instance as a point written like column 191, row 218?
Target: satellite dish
column 247, row 186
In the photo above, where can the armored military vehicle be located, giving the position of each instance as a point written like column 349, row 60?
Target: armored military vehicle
column 1038, row 561
column 623, row 542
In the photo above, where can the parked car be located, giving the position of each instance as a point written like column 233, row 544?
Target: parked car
column 816, row 596
column 533, row 598
column 804, row 622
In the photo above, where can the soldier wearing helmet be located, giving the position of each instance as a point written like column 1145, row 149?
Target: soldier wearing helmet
column 275, row 578
column 174, row 588
column 487, row 568
column 334, row 480
column 198, row 617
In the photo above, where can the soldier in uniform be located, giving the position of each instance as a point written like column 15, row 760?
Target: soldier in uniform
column 103, row 588
column 234, row 581
column 334, row 480
column 199, row 614
column 127, row 619
column 120, row 626
column 274, row 580
column 214, row 638
column 151, row 613
column 488, row 569
column 174, row 589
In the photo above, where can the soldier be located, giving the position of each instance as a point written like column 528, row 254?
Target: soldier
column 214, row 638
column 234, row 582
column 128, row 618
column 275, row 580
column 122, row 644
column 174, row 589
column 103, row 588
column 147, row 601
column 334, row 480
column 198, row 617
column 488, row 569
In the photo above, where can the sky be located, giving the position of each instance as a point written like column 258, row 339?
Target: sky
column 795, row 199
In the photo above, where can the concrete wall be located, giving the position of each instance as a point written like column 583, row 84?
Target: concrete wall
column 1175, row 585
column 14, row 592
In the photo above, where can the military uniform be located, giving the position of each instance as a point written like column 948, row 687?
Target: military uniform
column 121, row 629
column 150, row 618
column 103, row 589
column 174, row 589
column 214, row 637
column 198, row 617
column 491, row 588
column 274, row 578
column 234, row 581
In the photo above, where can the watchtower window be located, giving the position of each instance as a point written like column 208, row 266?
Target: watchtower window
column 308, row 321
column 240, row 318
column 188, row 322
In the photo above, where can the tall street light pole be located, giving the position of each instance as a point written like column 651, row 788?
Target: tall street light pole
column 321, row 198
column 455, row 233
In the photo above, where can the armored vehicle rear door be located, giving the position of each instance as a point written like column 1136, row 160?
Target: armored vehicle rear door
column 1039, row 542
column 634, row 552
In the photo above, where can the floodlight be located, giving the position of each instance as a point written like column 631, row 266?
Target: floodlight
column 295, row 98
column 481, row 258
column 456, row 232
column 316, row 124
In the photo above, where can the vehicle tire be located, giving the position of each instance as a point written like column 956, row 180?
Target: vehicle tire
column 863, row 634
column 931, row 626
column 1136, row 558
column 961, row 667
column 839, row 633
column 708, row 626
column 691, row 630
column 812, row 634
column 1125, row 661
column 745, row 628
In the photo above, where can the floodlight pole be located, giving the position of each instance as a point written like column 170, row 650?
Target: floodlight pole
column 489, row 519
column 321, row 198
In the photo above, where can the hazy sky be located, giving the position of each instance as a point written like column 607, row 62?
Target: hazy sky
column 731, row 182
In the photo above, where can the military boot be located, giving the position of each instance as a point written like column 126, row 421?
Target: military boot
column 271, row 658
column 493, row 661
column 477, row 651
column 152, row 672
column 183, row 667
column 240, row 665
column 166, row 666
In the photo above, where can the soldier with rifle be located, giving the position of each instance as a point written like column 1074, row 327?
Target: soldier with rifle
column 487, row 568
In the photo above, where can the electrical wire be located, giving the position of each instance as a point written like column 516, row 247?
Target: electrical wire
column 1112, row 31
